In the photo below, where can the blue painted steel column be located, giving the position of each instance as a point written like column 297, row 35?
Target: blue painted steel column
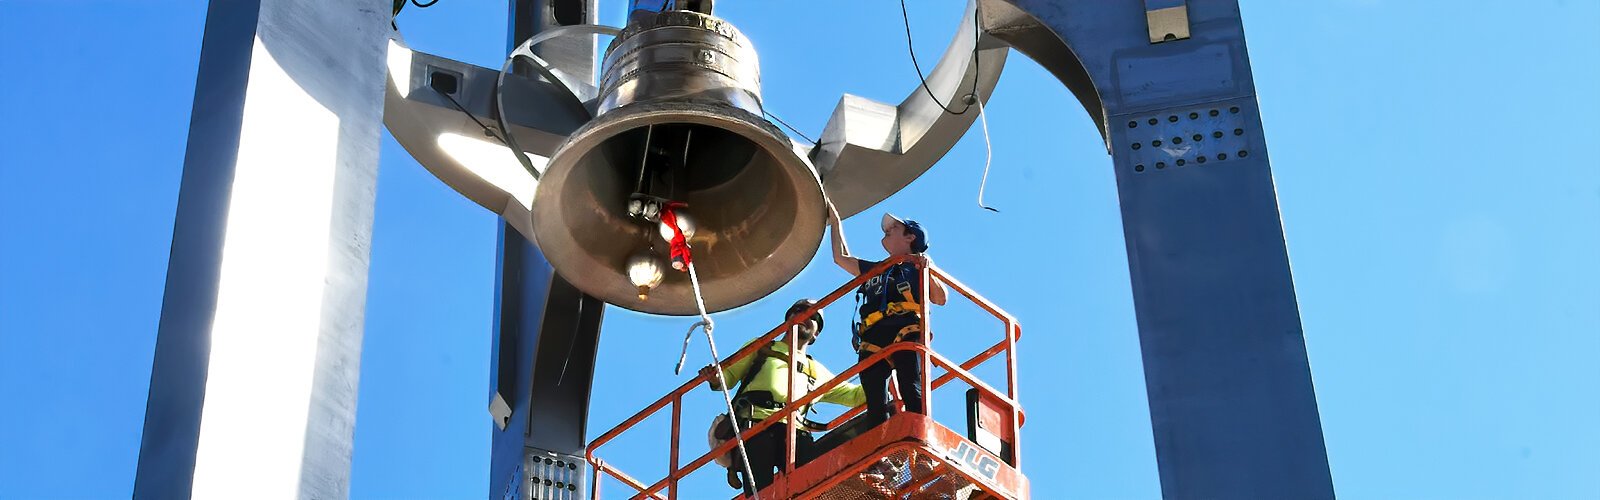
column 1232, row 406
column 546, row 331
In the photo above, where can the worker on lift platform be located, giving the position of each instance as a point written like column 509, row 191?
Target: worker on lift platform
column 889, row 312
column 764, row 379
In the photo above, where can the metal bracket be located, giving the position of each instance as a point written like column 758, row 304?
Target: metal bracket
column 500, row 410
column 1167, row 20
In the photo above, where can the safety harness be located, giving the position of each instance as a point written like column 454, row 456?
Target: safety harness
column 764, row 399
column 725, row 426
column 871, row 348
column 741, row 397
column 887, row 309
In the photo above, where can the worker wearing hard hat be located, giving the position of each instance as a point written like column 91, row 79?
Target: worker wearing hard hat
column 890, row 311
column 764, row 379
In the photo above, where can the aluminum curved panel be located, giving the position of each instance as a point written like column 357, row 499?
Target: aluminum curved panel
column 452, row 144
column 870, row 150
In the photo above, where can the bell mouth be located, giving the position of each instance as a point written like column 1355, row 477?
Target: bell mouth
column 756, row 203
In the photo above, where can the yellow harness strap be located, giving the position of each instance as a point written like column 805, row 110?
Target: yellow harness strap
column 910, row 305
column 869, row 348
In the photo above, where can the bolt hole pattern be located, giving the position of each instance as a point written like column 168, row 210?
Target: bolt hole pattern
column 1197, row 153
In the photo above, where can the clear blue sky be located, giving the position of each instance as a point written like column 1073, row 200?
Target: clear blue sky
column 1434, row 160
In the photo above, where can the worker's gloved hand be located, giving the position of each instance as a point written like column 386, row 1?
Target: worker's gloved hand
column 709, row 372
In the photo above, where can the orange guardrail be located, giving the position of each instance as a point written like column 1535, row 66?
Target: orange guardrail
column 676, row 472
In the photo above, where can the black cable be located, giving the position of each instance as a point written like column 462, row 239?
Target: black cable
column 486, row 129
column 906, row 18
column 788, row 126
column 577, row 328
column 421, row 5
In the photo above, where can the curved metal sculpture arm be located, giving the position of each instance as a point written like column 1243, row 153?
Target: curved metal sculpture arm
column 438, row 108
column 870, row 150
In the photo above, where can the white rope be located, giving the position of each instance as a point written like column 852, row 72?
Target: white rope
column 687, row 336
column 707, row 324
column 988, row 157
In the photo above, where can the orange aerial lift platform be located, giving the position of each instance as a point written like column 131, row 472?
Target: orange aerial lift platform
column 909, row 456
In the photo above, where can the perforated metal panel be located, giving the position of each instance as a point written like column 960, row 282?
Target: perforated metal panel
column 554, row 476
column 1200, row 136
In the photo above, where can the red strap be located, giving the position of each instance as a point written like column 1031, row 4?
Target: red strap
column 678, row 243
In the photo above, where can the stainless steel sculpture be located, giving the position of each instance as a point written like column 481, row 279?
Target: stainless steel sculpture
column 1210, row 276
column 285, row 102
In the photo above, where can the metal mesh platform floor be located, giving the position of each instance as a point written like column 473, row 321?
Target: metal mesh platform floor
column 909, row 457
column 918, row 476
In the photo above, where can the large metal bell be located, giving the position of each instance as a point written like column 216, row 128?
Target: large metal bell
column 679, row 118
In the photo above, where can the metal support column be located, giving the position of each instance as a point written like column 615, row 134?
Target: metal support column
column 258, row 352
column 1232, row 406
column 546, row 331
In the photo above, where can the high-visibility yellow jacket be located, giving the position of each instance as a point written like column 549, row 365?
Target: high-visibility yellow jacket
column 773, row 378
